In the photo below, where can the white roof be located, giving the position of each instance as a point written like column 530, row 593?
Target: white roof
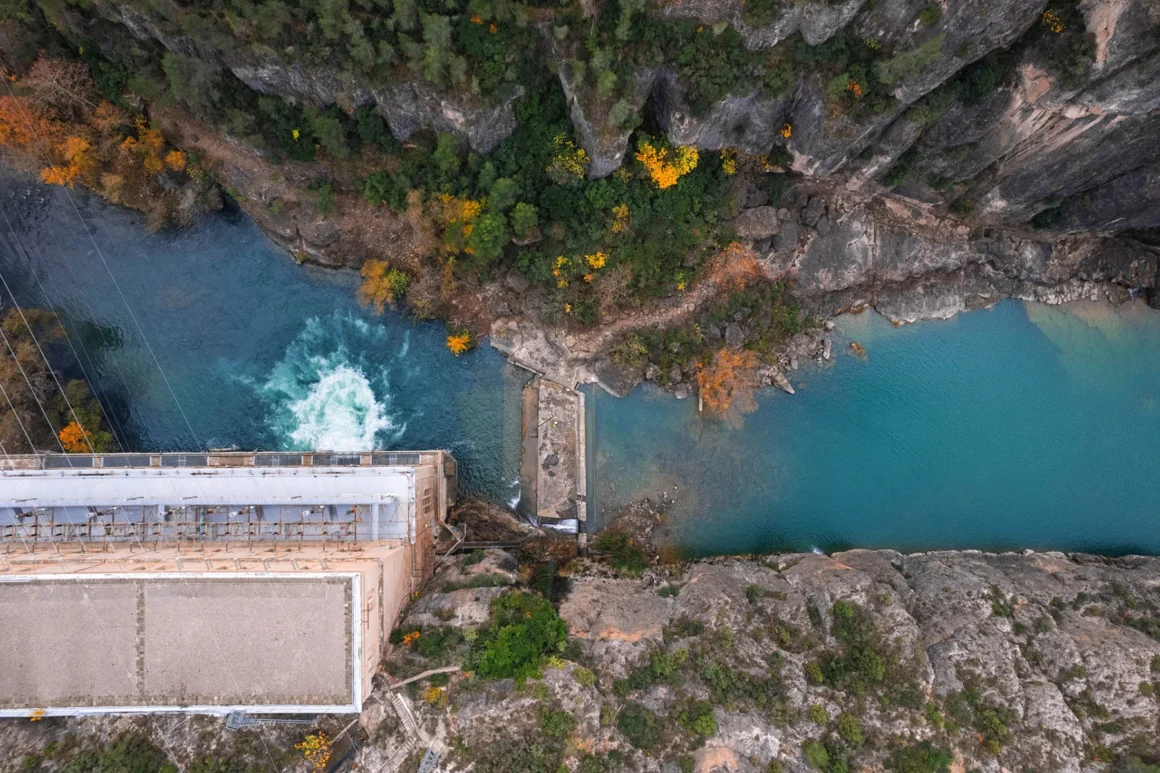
column 189, row 486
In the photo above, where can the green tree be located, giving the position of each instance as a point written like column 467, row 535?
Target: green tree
column 489, row 236
column 503, row 195
column 446, row 158
column 524, row 218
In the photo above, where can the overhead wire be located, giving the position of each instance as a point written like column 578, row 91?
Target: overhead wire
column 48, row 366
column 114, row 424
column 116, row 284
column 169, row 387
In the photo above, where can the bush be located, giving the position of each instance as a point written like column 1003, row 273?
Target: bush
column 923, row 758
column 909, row 64
column 640, row 726
column 325, row 199
column 384, row 188
column 522, row 631
column 850, row 730
column 930, row 15
column 627, row 558
column 697, row 718
column 556, row 723
column 818, row 714
column 584, row 677
column 815, row 753
column 472, row 558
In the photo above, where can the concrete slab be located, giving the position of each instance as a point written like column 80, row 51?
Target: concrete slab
column 68, row 644
column 176, row 640
column 251, row 641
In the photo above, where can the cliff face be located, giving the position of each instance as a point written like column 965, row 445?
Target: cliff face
column 1012, row 662
column 1010, row 111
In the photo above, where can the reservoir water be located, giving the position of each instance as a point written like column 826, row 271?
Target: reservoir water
column 1022, row 426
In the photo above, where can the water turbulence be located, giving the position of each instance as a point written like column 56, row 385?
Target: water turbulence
column 320, row 394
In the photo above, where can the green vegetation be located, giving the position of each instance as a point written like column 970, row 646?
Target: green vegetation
column 522, row 631
column 923, row 758
column 966, row 709
column 697, row 718
column 930, row 14
column 486, row 580
column 627, row 557
column 584, row 677
column 1062, row 34
column 641, row 727
column 908, row 64
column 759, row 13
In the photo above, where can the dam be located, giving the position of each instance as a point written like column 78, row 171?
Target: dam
column 209, row 582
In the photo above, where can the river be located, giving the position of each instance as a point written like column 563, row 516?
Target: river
column 1020, row 426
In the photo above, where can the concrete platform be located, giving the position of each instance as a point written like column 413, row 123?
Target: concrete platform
column 179, row 641
column 552, row 468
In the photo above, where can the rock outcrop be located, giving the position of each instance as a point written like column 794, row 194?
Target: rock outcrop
column 1008, row 662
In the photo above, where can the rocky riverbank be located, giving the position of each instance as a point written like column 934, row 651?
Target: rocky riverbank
column 863, row 660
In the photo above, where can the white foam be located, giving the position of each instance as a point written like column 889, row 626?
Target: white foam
column 320, row 395
column 339, row 412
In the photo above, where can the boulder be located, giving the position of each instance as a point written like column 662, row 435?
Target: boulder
column 757, row 223
column 734, row 336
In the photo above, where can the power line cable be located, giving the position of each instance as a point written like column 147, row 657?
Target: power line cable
column 117, row 285
column 48, row 366
column 114, row 425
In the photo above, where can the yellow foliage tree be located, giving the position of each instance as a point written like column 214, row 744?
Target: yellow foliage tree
column 316, row 749
column 381, row 285
column 666, row 166
column 569, row 162
column 175, row 160
column 460, row 342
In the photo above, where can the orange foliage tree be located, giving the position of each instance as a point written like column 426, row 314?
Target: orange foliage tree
column 735, row 267
column 727, row 385
column 75, row 438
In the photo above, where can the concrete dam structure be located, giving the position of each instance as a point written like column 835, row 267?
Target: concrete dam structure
column 209, row 582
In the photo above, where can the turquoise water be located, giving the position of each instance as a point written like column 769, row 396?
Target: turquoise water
column 1020, row 426
column 259, row 352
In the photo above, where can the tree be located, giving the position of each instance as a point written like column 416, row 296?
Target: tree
column 504, row 193
column 61, row 87
column 488, row 237
column 446, row 156
column 381, row 285
column 727, row 385
column 524, row 218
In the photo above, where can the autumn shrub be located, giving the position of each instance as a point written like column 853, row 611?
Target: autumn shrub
column 726, row 384
column 382, row 285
